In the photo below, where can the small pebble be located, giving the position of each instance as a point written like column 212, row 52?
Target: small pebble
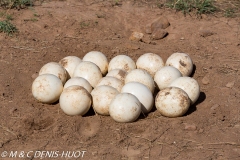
column 136, row 36
column 200, row 130
column 34, row 76
column 190, row 127
column 12, row 110
column 153, row 43
column 237, row 125
column 159, row 34
column 205, row 80
column 215, row 106
column 94, row 153
column 230, row 84
column 205, row 33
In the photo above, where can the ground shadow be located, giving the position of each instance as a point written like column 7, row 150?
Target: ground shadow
column 91, row 112
column 193, row 71
column 144, row 115
column 193, row 107
column 55, row 103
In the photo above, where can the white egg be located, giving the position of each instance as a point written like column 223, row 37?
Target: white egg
column 165, row 76
column 47, row 88
column 88, row 71
column 70, row 63
column 122, row 62
column 111, row 81
column 182, row 62
column 75, row 100
column 150, row 62
column 143, row 94
column 172, row 102
column 141, row 76
column 55, row 69
column 99, row 59
column 79, row 81
column 189, row 85
column 125, row 107
column 102, row 97
column 117, row 73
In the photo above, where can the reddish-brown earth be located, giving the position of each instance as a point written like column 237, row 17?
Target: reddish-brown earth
column 53, row 30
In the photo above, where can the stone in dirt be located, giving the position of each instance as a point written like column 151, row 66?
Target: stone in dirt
column 136, row 36
column 205, row 33
column 34, row 76
column 153, row 43
column 161, row 22
column 14, row 109
column 230, row 84
column 205, row 80
column 215, row 106
column 190, row 127
column 156, row 28
column 146, row 39
column 200, row 130
column 148, row 29
column 159, row 34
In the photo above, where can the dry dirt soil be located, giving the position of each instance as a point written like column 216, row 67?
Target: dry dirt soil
column 52, row 30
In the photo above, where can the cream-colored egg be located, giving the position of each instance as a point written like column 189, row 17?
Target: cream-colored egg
column 122, row 62
column 79, row 81
column 99, row 59
column 125, row 107
column 117, row 73
column 141, row 76
column 75, row 100
column 102, row 97
column 70, row 63
column 172, row 102
column 143, row 94
column 111, row 81
column 150, row 62
column 55, row 69
column 182, row 62
column 165, row 76
column 88, row 71
column 189, row 85
column 47, row 88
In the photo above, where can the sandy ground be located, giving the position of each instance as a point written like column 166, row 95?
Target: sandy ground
column 50, row 31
